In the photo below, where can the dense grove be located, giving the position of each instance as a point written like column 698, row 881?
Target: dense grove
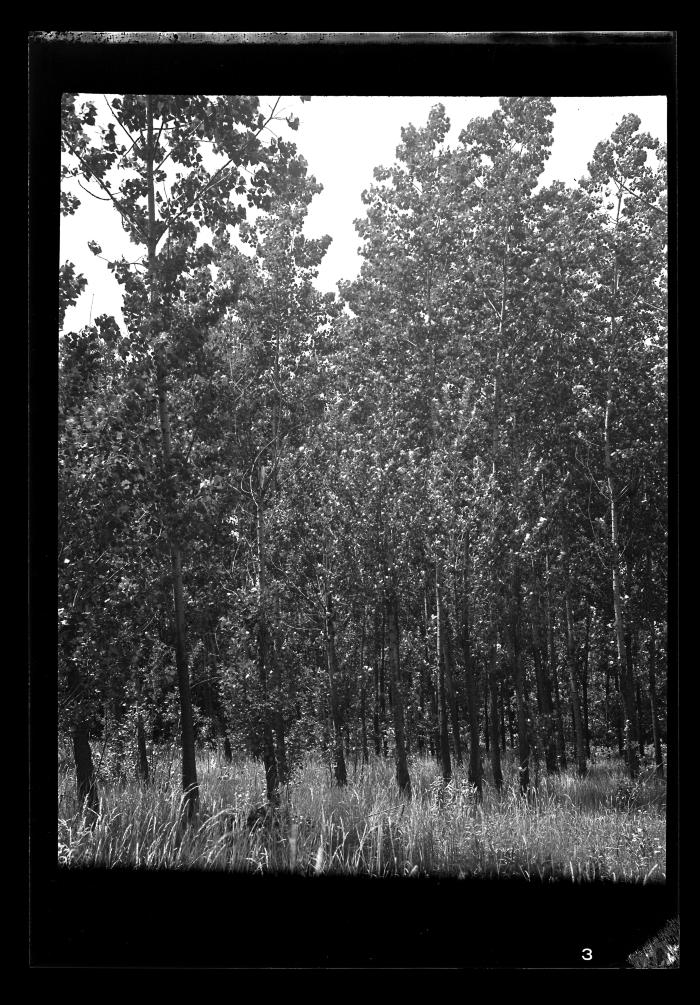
column 420, row 522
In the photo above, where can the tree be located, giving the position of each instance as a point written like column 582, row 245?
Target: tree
column 162, row 129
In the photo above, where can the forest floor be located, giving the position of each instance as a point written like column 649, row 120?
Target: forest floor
column 603, row 826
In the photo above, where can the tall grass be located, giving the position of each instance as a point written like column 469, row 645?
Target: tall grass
column 598, row 827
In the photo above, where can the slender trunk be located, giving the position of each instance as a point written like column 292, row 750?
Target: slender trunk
column 493, row 626
column 573, row 690
column 382, row 688
column 336, row 714
column 619, row 718
column 434, row 720
column 626, row 690
column 487, row 730
column 506, row 708
column 658, row 757
column 272, row 778
column 544, row 695
column 402, row 775
column 86, row 782
column 632, row 663
column 520, row 697
column 189, row 767
column 433, row 715
column 265, row 726
column 142, row 760
column 444, row 739
column 421, row 730
column 559, row 718
column 277, row 713
column 496, row 769
column 363, row 724
column 363, row 694
column 584, row 685
column 278, row 724
column 142, row 770
column 375, row 711
column 475, row 769
column 448, row 664
column 608, row 728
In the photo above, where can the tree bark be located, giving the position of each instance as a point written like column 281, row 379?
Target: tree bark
column 375, row 711
column 276, row 711
column 336, row 714
column 443, row 731
column 626, row 689
column 658, row 757
column 402, row 775
column 544, row 696
column 272, row 778
column 585, row 670
column 445, row 642
column 633, row 664
column 475, row 769
column 520, row 699
column 142, row 770
column 382, row 688
column 559, row 719
column 363, row 693
column 573, row 690
column 142, row 761
column 495, row 751
column 86, row 781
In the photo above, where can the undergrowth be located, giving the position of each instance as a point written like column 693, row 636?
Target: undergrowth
column 603, row 826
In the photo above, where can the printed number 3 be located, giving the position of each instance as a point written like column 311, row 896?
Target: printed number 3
column 587, row 954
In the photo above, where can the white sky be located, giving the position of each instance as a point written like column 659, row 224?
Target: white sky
column 344, row 139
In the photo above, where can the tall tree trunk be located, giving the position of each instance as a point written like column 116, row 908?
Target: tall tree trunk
column 402, row 775
column 272, row 778
column 363, row 724
column 448, row 665
column 265, row 726
column 584, row 684
column 544, row 693
column 434, row 715
column 658, row 757
column 142, row 770
column 86, row 781
column 573, row 690
column 375, row 711
column 506, row 708
column 382, row 688
column 278, row 720
column 363, row 693
column 475, row 769
column 519, row 682
column 443, row 731
column 632, row 662
column 608, row 727
column 559, row 718
column 336, row 714
column 626, row 689
column 189, row 766
column 496, row 769
column 619, row 717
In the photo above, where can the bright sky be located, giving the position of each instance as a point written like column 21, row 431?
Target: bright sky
column 344, row 139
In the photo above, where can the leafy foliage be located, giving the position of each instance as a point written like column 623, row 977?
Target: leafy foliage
column 473, row 436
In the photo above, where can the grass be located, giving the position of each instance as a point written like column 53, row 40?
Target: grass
column 582, row 829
